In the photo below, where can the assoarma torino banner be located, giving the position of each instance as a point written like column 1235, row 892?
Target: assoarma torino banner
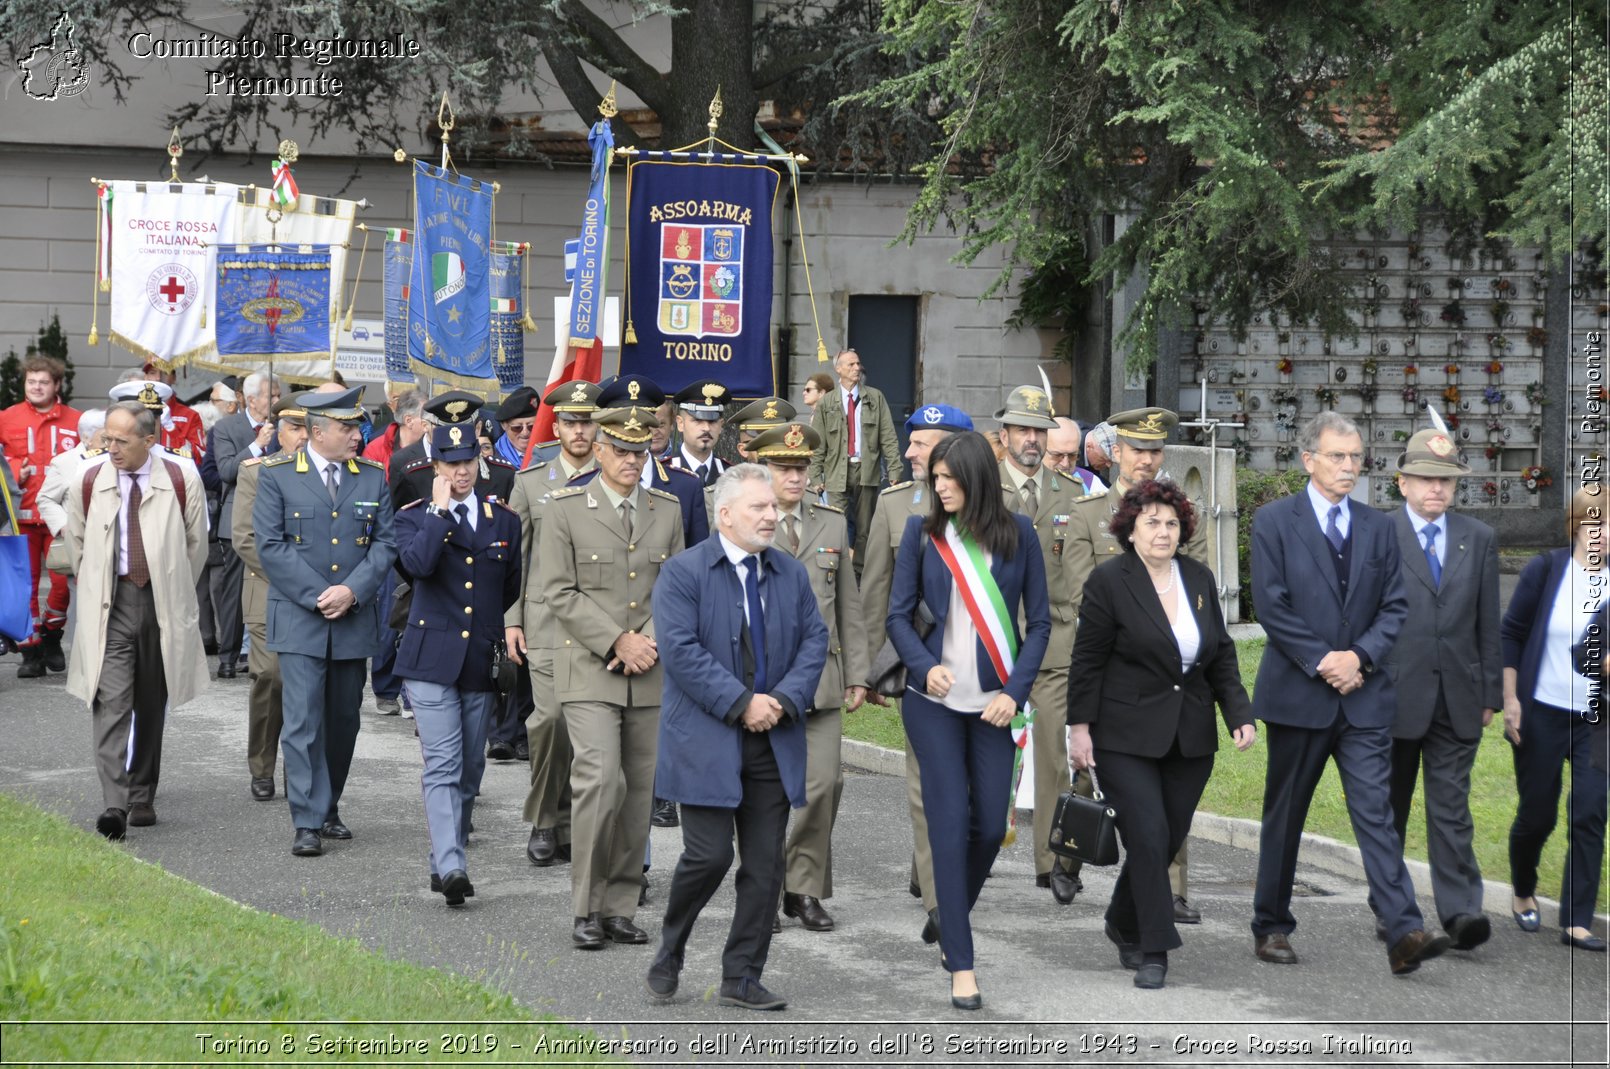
column 163, row 238
column 449, row 299
column 699, row 274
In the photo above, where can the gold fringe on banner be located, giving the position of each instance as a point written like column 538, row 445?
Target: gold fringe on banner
column 629, row 336
column 165, row 363
column 527, row 324
column 487, row 389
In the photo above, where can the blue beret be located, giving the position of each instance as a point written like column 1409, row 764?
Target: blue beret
column 938, row 418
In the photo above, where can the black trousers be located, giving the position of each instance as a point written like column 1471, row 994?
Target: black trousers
column 229, row 625
column 1450, row 831
column 1549, row 738
column 1156, row 799
column 760, row 822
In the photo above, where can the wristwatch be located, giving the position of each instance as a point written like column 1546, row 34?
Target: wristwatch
column 436, row 510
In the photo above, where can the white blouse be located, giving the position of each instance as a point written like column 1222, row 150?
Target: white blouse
column 1186, row 633
column 959, row 652
column 1558, row 682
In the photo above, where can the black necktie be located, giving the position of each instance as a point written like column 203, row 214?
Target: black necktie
column 463, row 511
column 757, row 621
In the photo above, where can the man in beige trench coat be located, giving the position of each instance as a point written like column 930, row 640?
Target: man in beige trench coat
column 137, row 538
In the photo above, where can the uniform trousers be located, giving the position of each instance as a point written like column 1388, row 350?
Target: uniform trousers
column 265, row 703
column 1050, row 731
column 1297, row 757
column 966, row 794
column 321, row 698
column 922, row 857
column 547, row 804
column 452, row 727
column 132, row 695
column 759, row 824
column 1549, row 738
column 53, row 615
column 1156, row 800
column 228, row 623
column 382, row 680
column 1450, row 832
column 612, row 796
column 858, row 503
column 810, row 840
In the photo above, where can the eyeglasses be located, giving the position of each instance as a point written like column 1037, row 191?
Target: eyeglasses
column 1338, row 459
column 1058, row 458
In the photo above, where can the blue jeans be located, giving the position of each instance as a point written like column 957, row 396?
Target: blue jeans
column 452, row 740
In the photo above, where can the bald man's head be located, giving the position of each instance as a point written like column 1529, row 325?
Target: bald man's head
column 1062, row 446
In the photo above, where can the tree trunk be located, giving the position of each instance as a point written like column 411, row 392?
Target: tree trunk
column 712, row 45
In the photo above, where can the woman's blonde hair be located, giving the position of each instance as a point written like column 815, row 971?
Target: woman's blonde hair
column 1587, row 506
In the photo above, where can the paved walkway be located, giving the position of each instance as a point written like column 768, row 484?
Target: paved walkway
column 1048, row 975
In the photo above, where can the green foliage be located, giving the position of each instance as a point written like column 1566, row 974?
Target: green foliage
column 1231, row 140
column 52, row 341
column 1055, row 295
column 1253, row 490
column 10, row 380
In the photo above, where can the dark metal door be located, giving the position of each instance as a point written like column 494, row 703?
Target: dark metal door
column 883, row 330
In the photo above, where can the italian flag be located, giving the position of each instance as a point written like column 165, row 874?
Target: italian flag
column 504, row 304
column 446, row 274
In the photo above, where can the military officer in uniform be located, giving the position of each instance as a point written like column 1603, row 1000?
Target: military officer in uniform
column 1137, row 455
column 529, row 628
column 600, row 550
column 817, row 536
column 462, row 555
column 412, row 474
column 753, row 418
column 1047, row 498
column 265, row 715
column 698, row 419
column 635, row 390
column 324, row 533
column 925, row 428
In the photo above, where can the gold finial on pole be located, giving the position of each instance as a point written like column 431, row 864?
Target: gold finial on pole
column 175, row 150
column 446, row 120
column 715, row 117
column 289, row 152
column 607, row 107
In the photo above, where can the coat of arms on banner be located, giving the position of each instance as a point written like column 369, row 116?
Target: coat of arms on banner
column 701, row 272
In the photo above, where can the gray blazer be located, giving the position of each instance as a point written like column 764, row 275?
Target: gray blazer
column 232, row 442
column 1450, row 639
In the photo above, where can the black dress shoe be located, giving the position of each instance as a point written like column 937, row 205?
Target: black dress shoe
column 1419, row 945
column 1274, row 948
column 622, row 930
column 306, row 843
column 975, row 1001
column 1469, row 930
column 1129, row 954
column 456, row 887
column 809, row 911
column 522, row 749
column 542, row 847
column 499, row 751
column 1184, row 913
column 226, row 669
column 334, row 829
column 1151, row 975
column 262, row 789
column 1583, row 942
column 915, row 889
column 749, row 994
column 1527, row 920
column 664, row 814
column 930, row 931
column 588, row 933
column 663, row 977
column 1065, row 886
column 436, row 887
column 142, row 815
column 113, row 824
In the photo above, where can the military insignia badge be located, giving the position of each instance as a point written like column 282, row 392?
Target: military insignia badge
column 455, row 435
column 456, row 410
column 633, row 389
column 1032, row 399
column 579, row 394
column 932, row 415
column 1152, row 424
column 1440, row 445
column 149, row 397
column 771, row 411
column 794, row 437
column 701, row 271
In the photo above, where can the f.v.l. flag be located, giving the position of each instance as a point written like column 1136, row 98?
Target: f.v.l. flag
column 700, row 285
column 449, row 297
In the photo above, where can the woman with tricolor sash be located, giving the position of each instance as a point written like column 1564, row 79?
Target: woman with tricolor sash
column 1151, row 660
column 976, row 568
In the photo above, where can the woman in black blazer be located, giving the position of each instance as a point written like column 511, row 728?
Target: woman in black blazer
column 1151, row 658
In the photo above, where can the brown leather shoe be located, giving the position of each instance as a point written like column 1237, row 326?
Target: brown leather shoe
column 1419, row 945
column 809, row 911
column 1275, row 948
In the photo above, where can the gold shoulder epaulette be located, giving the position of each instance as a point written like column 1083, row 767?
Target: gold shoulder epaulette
column 249, row 461
column 1095, row 494
column 277, row 459
column 897, row 486
column 566, row 491
column 98, row 452
column 665, row 494
column 371, row 461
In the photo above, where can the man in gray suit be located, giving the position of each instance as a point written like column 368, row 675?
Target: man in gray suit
column 1447, row 667
column 235, row 440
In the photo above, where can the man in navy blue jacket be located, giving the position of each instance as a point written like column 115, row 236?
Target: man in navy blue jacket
column 1329, row 595
column 743, row 646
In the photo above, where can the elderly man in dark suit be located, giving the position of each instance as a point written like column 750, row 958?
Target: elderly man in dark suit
column 1328, row 592
column 1447, row 668
column 235, row 440
column 743, row 646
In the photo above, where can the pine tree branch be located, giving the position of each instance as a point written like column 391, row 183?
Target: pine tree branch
column 601, row 46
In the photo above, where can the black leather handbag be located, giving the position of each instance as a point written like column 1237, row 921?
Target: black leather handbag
column 1085, row 829
column 887, row 676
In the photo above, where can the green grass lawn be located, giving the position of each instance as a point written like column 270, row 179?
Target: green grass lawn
column 1236, row 790
column 94, row 935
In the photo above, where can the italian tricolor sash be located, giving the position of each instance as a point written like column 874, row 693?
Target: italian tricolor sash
column 993, row 622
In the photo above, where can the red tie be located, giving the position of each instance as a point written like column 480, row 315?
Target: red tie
column 139, row 572
column 853, row 434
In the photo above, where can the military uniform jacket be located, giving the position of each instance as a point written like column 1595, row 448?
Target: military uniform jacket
column 309, row 543
column 533, row 488
column 830, row 466
column 254, row 581
column 824, row 549
column 1056, row 497
column 416, row 478
column 598, row 585
column 895, row 505
column 464, row 579
column 684, row 487
column 1088, row 542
